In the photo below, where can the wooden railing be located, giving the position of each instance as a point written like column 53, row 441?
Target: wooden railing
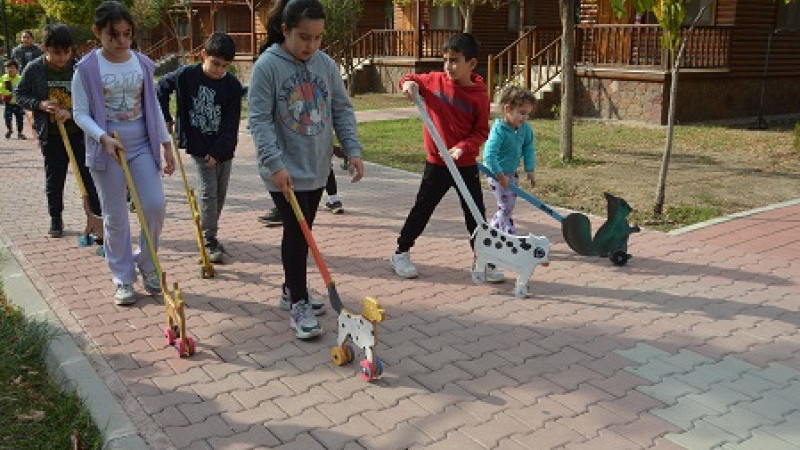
column 394, row 43
column 166, row 46
column 640, row 45
column 538, row 48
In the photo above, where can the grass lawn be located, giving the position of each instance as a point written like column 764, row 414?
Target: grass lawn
column 714, row 170
column 34, row 414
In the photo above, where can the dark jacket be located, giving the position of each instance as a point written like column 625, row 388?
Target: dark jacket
column 31, row 91
column 208, row 113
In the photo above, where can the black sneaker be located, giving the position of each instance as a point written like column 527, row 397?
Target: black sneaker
column 215, row 251
column 335, row 207
column 21, row 136
column 8, row 134
column 56, row 227
column 272, row 218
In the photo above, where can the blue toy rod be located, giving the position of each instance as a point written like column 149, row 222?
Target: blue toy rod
column 526, row 195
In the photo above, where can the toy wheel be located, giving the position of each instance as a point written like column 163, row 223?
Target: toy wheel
column 183, row 350
column 170, row 335
column 619, row 258
column 339, row 355
column 378, row 367
column 367, row 370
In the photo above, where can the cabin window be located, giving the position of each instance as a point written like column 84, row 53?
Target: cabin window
column 693, row 9
column 788, row 14
column 513, row 17
column 445, row 17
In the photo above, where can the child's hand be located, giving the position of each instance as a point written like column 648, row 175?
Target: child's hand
column 532, row 179
column 411, row 89
column 169, row 159
column 456, row 153
column 283, row 181
column 48, row 106
column 210, row 162
column 503, row 180
column 111, row 145
column 356, row 168
column 62, row 115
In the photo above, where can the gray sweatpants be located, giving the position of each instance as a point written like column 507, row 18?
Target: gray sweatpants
column 212, row 187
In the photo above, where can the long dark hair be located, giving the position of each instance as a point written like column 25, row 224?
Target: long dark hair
column 289, row 13
column 110, row 12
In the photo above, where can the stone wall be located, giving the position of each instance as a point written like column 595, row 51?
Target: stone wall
column 607, row 98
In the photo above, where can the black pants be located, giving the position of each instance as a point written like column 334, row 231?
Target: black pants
column 14, row 111
column 294, row 248
column 436, row 181
column 330, row 187
column 56, row 163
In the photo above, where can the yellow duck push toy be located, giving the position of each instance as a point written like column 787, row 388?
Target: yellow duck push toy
column 206, row 268
column 175, row 332
column 93, row 233
column 362, row 330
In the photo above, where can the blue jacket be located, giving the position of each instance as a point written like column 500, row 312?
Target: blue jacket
column 506, row 147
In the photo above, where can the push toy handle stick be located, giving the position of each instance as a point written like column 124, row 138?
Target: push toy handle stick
column 139, row 211
column 448, row 160
column 72, row 161
column 180, row 163
column 526, row 195
column 336, row 302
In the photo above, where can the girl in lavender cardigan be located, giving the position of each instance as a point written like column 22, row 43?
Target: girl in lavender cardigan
column 113, row 91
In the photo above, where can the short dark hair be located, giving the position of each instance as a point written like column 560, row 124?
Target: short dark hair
column 464, row 43
column 514, row 96
column 57, row 35
column 10, row 63
column 220, row 44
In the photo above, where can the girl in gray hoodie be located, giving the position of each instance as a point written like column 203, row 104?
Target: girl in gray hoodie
column 296, row 101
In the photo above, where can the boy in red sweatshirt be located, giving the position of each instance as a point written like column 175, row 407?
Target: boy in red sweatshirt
column 457, row 102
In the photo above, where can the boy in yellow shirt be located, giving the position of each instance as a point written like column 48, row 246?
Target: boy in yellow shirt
column 8, row 84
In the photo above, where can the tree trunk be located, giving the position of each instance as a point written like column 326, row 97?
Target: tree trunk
column 658, row 207
column 567, row 11
column 467, row 10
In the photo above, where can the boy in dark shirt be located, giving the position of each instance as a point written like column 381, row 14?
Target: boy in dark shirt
column 209, row 103
column 46, row 89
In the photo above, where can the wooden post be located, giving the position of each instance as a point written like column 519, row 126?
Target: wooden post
column 490, row 77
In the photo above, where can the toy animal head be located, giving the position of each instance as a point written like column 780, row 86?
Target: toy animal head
column 373, row 311
column 617, row 207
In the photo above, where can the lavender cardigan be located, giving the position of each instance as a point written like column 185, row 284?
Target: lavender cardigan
column 89, row 69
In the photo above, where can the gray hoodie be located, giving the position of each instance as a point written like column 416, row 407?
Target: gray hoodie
column 293, row 108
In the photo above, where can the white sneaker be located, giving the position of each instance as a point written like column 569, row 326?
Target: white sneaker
column 303, row 322
column 124, row 295
column 493, row 275
column 150, row 280
column 317, row 305
column 401, row 262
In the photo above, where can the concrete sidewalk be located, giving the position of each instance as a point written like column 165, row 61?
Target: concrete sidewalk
column 693, row 344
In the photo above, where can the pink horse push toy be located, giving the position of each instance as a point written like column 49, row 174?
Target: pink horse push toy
column 518, row 253
column 361, row 329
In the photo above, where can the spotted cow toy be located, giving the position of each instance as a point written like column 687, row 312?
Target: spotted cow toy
column 519, row 253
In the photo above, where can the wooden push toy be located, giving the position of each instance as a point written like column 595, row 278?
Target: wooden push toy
column 175, row 332
column 206, row 268
column 518, row 253
column 93, row 233
column 362, row 330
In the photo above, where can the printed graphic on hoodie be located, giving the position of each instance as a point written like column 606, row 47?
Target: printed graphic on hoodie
column 122, row 95
column 205, row 114
column 301, row 104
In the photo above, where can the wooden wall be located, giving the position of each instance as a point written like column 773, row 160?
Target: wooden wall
column 754, row 22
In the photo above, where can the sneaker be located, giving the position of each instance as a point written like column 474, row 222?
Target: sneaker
column 335, row 207
column 272, row 218
column 493, row 275
column 21, row 136
column 8, row 134
column 317, row 305
column 303, row 322
column 215, row 251
column 56, row 227
column 150, row 280
column 123, row 295
column 403, row 266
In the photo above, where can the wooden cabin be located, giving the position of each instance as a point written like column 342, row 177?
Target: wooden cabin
column 621, row 71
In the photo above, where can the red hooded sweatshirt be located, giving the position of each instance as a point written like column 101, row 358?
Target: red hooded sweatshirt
column 460, row 113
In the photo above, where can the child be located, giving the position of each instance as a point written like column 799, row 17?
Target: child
column 8, row 84
column 25, row 52
column 457, row 102
column 46, row 89
column 295, row 100
column 510, row 140
column 114, row 92
column 209, row 104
